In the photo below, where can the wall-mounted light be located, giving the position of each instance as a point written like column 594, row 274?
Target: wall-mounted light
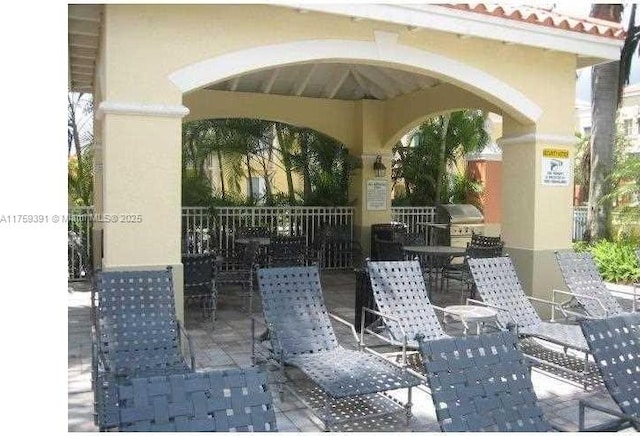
column 378, row 167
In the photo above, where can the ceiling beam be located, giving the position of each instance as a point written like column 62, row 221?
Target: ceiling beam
column 369, row 90
column 83, row 41
column 300, row 87
column 89, row 28
column 233, row 85
column 406, row 86
column 85, row 12
column 371, row 75
column 335, row 82
column 266, row 87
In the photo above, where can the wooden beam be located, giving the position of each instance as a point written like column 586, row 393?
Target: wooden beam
column 266, row 88
column 333, row 85
column 299, row 88
column 367, row 88
column 377, row 80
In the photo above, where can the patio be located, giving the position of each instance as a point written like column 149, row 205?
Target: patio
column 229, row 345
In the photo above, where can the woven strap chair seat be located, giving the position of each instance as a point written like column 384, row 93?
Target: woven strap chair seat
column 583, row 278
column 229, row 400
column 559, row 333
column 481, row 383
column 344, row 373
column 615, row 345
column 399, row 291
column 301, row 331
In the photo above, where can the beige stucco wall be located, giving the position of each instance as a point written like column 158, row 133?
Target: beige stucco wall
column 145, row 44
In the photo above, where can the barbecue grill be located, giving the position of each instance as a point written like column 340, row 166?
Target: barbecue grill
column 457, row 223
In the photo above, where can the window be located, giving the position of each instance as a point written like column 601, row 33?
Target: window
column 628, row 125
column 257, row 186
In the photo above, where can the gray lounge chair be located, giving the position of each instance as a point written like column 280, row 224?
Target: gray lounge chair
column 223, row 400
column 481, row 383
column 135, row 334
column 301, row 335
column 403, row 305
column 498, row 285
column 615, row 344
column 199, row 282
column 586, row 285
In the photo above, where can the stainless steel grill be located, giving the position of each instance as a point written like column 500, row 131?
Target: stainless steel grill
column 457, row 223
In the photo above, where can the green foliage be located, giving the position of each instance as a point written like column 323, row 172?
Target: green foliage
column 80, row 178
column 616, row 261
column 439, row 143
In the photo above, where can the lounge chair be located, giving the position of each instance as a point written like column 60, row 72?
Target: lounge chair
column 301, row 335
column 586, row 285
column 498, row 285
column 404, row 309
column 615, row 344
column 222, row 400
column 481, row 383
column 135, row 334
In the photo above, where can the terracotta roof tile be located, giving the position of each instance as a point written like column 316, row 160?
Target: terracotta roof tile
column 545, row 17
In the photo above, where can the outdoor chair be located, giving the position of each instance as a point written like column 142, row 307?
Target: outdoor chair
column 301, row 335
column 222, row 400
column 414, row 238
column 498, row 285
column 388, row 250
column 587, row 287
column 340, row 249
column 199, row 282
column 404, row 309
column 237, row 268
column 287, row 251
column 615, row 344
column 135, row 334
column 460, row 271
column 481, row 383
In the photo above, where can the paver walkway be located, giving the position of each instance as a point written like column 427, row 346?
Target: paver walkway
column 228, row 344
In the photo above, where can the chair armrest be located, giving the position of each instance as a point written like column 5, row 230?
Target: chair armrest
column 573, row 294
column 182, row 331
column 501, row 309
column 615, row 424
column 347, row 323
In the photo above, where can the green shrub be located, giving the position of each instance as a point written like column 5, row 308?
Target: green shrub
column 616, row 261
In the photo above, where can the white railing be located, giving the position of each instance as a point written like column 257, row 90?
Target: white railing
column 414, row 217
column 579, row 222
column 204, row 229
column 79, row 227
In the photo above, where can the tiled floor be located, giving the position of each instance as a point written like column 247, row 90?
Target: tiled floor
column 228, row 344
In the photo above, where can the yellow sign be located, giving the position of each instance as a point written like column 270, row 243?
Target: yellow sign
column 561, row 153
column 556, row 167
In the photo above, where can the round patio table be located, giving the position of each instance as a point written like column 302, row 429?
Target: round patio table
column 433, row 258
column 469, row 314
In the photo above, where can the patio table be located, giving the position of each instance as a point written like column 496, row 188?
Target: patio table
column 468, row 314
column 433, row 258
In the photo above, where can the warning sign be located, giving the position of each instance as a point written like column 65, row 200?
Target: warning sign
column 377, row 194
column 556, row 166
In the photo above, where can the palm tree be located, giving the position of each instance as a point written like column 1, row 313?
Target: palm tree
column 607, row 83
column 437, row 144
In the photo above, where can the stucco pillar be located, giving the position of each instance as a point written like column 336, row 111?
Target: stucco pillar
column 141, row 188
column 536, row 211
column 369, row 118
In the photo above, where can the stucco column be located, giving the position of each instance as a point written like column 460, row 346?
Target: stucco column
column 537, row 188
column 141, row 188
column 369, row 116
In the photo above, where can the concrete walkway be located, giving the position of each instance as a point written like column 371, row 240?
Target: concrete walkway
column 228, row 344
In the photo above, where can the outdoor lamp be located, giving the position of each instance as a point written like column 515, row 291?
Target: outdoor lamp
column 378, row 167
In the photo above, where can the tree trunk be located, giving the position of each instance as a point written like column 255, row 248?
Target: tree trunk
column 604, row 103
column 306, row 174
column 219, row 154
column 285, row 157
column 442, row 161
column 250, row 178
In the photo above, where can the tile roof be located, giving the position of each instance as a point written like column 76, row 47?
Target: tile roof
column 545, row 17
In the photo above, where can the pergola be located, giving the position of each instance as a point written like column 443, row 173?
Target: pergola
column 361, row 73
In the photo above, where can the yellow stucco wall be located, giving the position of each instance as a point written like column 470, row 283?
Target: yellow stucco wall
column 145, row 44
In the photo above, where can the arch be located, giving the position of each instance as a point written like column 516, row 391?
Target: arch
column 384, row 50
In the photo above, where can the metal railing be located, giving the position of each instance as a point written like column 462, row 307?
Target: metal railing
column 579, row 223
column 205, row 230
column 79, row 254
column 414, row 217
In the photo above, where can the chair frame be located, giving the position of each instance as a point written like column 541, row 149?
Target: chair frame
column 615, row 345
column 200, row 272
column 108, row 373
column 314, row 352
column 587, row 287
column 233, row 268
column 505, row 262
